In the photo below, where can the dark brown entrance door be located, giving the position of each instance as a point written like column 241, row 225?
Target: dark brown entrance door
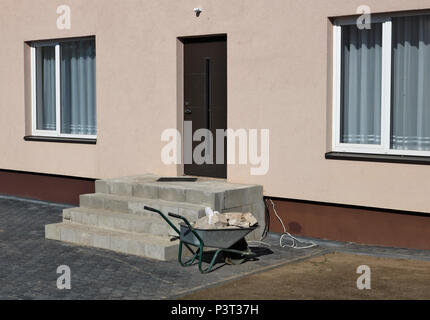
column 205, row 103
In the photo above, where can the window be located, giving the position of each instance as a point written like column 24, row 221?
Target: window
column 64, row 88
column 381, row 89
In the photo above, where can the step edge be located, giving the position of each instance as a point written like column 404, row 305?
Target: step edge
column 110, row 232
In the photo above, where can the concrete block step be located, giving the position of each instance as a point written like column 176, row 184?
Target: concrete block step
column 126, row 222
column 145, row 245
column 134, row 205
column 217, row 194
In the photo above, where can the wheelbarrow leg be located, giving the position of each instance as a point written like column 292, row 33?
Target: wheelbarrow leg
column 190, row 261
column 209, row 268
column 238, row 253
column 198, row 253
column 243, row 254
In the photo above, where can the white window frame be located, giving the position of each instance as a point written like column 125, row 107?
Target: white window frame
column 384, row 147
column 57, row 132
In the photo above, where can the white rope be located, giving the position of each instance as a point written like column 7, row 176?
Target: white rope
column 295, row 242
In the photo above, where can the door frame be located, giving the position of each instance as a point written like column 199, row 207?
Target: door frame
column 180, row 91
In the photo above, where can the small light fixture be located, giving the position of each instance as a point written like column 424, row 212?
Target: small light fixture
column 198, row 11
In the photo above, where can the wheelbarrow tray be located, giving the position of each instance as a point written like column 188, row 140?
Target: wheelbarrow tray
column 214, row 238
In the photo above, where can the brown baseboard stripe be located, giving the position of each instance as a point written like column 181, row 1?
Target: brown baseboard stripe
column 349, row 223
column 46, row 187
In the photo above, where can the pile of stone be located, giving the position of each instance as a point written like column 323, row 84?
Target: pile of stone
column 229, row 220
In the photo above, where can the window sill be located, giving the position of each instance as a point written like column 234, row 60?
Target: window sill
column 60, row 139
column 378, row 157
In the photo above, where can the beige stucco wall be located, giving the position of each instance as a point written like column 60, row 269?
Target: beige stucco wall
column 278, row 72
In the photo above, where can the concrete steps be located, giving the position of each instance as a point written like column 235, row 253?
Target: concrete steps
column 217, row 194
column 146, row 245
column 135, row 205
column 125, row 222
column 114, row 217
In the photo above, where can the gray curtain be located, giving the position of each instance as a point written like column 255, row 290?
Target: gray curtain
column 361, row 84
column 78, row 87
column 45, row 88
column 411, row 83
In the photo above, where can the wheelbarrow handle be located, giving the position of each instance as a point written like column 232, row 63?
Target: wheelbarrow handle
column 164, row 217
column 177, row 216
column 174, row 215
column 173, row 226
column 152, row 209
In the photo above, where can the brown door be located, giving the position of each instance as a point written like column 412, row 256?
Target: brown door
column 205, row 102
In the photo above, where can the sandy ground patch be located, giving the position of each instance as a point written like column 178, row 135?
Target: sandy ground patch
column 332, row 276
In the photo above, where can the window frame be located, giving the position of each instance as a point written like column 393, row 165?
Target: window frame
column 51, row 133
column 385, row 146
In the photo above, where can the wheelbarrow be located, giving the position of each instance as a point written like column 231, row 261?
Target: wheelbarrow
column 231, row 242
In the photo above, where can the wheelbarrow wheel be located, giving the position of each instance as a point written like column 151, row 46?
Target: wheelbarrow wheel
column 232, row 258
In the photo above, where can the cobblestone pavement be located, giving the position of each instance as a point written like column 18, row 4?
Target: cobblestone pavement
column 28, row 262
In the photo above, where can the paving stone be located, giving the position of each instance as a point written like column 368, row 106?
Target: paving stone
column 68, row 235
column 102, row 186
column 102, row 241
column 106, row 221
column 145, row 191
column 214, row 200
column 121, row 188
column 171, row 194
column 119, row 244
column 242, row 196
column 113, row 204
column 91, row 201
